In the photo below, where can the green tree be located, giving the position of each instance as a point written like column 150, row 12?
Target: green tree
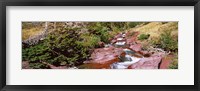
column 59, row 48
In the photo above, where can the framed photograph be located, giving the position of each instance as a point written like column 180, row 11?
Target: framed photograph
column 99, row 45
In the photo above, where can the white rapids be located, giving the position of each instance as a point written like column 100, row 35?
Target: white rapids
column 129, row 60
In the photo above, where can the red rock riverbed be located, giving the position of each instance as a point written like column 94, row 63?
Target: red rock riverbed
column 102, row 58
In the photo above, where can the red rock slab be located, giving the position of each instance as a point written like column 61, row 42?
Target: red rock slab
column 103, row 55
column 147, row 63
column 117, row 36
column 105, row 65
column 113, row 41
column 166, row 62
column 130, row 40
column 136, row 47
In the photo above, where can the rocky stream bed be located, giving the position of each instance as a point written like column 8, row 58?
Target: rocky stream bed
column 125, row 53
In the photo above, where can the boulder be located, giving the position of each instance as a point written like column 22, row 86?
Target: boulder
column 130, row 41
column 105, row 65
column 113, row 41
column 165, row 62
column 103, row 55
column 136, row 47
column 147, row 63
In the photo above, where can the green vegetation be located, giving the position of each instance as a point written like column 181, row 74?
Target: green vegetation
column 106, row 30
column 69, row 46
column 174, row 63
column 38, row 66
column 134, row 24
column 101, row 31
column 66, row 46
column 168, row 42
column 143, row 36
column 163, row 35
column 58, row 48
column 36, row 54
column 89, row 40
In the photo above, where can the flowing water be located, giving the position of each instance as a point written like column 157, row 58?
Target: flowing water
column 124, row 60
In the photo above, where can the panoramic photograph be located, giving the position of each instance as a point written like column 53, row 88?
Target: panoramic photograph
column 99, row 45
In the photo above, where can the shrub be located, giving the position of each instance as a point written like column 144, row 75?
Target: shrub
column 60, row 47
column 168, row 42
column 99, row 30
column 36, row 53
column 66, row 46
column 174, row 65
column 143, row 36
column 89, row 40
column 134, row 24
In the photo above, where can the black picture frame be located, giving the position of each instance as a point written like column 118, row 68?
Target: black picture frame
column 4, row 3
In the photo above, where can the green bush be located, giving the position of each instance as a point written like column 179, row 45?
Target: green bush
column 60, row 47
column 36, row 53
column 105, row 30
column 134, row 24
column 100, row 30
column 143, row 36
column 66, row 46
column 168, row 42
column 174, row 63
column 38, row 66
column 89, row 40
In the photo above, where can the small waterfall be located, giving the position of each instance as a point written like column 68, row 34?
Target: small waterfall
column 126, row 60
